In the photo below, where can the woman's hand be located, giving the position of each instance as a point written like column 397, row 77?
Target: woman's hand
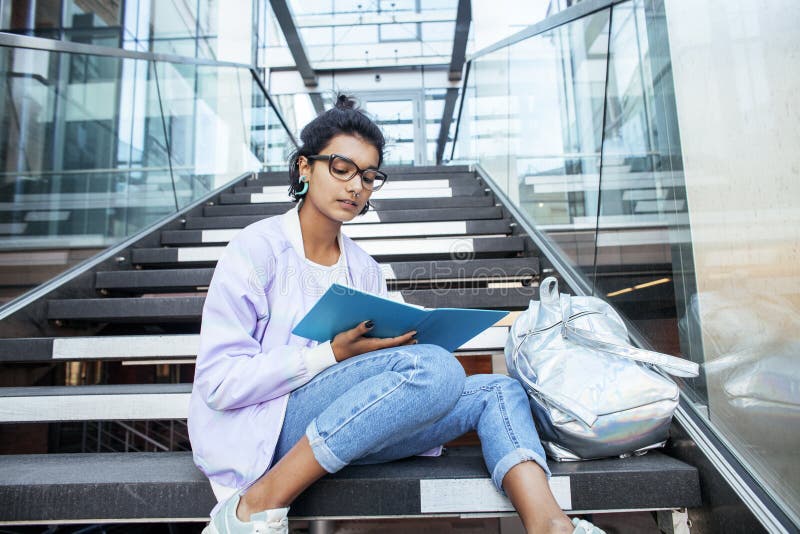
column 352, row 342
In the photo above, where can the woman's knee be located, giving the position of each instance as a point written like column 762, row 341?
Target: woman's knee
column 441, row 371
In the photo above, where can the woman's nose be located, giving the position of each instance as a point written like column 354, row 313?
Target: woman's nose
column 356, row 185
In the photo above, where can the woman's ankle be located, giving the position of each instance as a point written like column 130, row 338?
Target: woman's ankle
column 551, row 525
column 253, row 502
column 243, row 510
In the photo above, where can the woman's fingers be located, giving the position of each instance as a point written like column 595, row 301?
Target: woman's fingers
column 354, row 341
column 386, row 342
column 363, row 328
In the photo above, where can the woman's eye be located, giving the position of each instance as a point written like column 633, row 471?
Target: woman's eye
column 368, row 179
column 340, row 171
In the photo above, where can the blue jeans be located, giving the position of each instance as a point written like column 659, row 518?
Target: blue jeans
column 399, row 402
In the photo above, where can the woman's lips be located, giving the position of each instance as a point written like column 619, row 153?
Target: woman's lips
column 347, row 205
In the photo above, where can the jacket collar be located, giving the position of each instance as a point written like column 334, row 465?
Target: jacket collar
column 290, row 222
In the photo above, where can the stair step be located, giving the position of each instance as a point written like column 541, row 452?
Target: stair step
column 94, row 403
column 378, row 204
column 279, row 194
column 360, row 231
column 371, row 217
column 190, row 308
column 438, row 272
column 391, row 186
column 176, row 348
column 462, row 248
column 80, row 487
column 402, row 170
column 282, row 178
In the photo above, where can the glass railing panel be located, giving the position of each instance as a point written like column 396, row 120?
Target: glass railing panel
column 144, row 191
column 69, row 156
column 491, row 129
column 739, row 308
column 643, row 211
column 691, row 233
column 80, row 162
column 208, row 113
column 277, row 143
column 556, row 131
column 463, row 146
column 97, row 146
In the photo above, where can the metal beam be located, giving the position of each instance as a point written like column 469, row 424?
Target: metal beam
column 286, row 21
column 316, row 100
column 463, row 20
column 447, row 117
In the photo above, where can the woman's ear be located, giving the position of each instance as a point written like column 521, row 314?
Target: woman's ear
column 303, row 166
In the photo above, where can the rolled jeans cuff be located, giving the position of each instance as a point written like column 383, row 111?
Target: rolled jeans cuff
column 324, row 455
column 517, row 456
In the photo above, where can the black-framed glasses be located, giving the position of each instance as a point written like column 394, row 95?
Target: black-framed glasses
column 345, row 169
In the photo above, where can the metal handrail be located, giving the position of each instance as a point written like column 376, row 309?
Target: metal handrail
column 94, row 171
column 12, row 40
column 570, row 14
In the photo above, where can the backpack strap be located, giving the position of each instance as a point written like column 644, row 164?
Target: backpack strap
column 666, row 363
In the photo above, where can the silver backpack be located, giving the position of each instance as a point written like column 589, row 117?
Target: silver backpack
column 593, row 395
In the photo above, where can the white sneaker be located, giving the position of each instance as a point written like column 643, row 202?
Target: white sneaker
column 266, row 522
column 584, row 527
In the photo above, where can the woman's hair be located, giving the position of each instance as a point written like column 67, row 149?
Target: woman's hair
column 343, row 118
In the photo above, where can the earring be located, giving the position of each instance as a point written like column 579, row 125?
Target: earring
column 304, row 181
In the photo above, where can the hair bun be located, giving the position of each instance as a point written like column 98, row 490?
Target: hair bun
column 344, row 102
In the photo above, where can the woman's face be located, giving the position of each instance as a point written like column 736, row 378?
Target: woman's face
column 334, row 198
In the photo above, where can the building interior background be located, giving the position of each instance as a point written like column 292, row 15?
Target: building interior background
column 653, row 143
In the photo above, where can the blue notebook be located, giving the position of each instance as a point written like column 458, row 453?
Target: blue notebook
column 342, row 308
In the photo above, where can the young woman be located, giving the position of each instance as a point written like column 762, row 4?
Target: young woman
column 271, row 412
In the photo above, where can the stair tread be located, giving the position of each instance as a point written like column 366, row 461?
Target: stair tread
column 462, row 247
column 373, row 217
column 482, row 269
column 189, row 308
column 277, row 208
column 362, row 231
column 80, row 486
column 161, row 347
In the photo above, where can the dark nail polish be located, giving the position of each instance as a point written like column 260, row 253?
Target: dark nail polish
column 369, row 324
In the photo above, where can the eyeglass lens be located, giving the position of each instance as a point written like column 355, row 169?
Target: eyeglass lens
column 344, row 169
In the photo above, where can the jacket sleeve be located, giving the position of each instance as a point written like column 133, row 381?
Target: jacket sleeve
column 232, row 369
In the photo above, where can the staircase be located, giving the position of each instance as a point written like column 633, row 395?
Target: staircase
column 116, row 344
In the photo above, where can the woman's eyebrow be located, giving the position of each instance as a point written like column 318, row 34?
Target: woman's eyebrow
column 374, row 167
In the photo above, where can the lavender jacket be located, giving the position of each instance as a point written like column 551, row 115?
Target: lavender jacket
column 249, row 361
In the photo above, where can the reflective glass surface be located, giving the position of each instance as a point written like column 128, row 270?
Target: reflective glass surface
column 672, row 188
column 738, row 292
column 491, row 131
column 492, row 23
column 535, row 124
column 207, row 29
column 95, row 148
column 643, row 209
